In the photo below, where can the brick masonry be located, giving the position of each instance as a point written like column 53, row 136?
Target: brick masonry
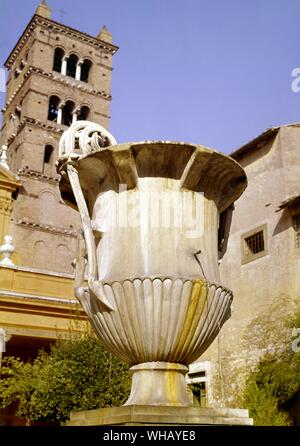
column 44, row 230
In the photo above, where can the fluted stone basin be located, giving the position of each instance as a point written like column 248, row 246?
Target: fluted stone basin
column 150, row 215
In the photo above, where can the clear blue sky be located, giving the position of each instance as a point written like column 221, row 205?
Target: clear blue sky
column 212, row 72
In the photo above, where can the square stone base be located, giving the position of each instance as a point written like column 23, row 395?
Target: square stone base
column 159, row 415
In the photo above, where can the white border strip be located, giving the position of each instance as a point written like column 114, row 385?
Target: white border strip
column 4, row 293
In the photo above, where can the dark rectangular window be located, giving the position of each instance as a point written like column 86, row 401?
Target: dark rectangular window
column 48, row 154
column 296, row 226
column 255, row 243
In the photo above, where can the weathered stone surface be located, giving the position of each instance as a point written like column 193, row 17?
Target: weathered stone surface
column 157, row 415
column 154, row 382
column 159, row 319
column 159, row 304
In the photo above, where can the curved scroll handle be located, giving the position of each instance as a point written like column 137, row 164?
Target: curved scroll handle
column 94, row 285
column 82, row 138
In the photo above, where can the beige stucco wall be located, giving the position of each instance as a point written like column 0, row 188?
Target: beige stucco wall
column 268, row 288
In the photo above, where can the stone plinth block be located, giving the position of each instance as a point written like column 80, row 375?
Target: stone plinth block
column 160, row 415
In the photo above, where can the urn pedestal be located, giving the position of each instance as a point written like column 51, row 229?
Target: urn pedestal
column 160, row 416
column 150, row 216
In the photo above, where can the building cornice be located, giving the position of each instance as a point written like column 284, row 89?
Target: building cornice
column 47, row 272
column 55, row 128
column 55, row 26
column 46, row 228
column 61, row 79
column 256, row 142
column 26, row 172
column 34, row 297
column 260, row 140
column 49, row 126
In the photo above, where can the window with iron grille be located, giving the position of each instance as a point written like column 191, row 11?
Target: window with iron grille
column 254, row 244
column 296, row 226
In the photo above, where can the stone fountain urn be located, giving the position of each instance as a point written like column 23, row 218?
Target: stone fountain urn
column 150, row 216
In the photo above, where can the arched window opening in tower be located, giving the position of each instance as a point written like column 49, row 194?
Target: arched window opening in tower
column 85, row 70
column 58, row 57
column 17, row 72
column 48, row 154
column 48, row 157
column 53, row 108
column 67, row 116
column 83, row 114
column 18, row 112
column 71, row 65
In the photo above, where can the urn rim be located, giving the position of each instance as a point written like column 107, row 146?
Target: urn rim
column 198, row 168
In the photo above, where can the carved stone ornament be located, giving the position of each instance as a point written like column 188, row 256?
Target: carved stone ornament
column 150, row 214
column 6, row 251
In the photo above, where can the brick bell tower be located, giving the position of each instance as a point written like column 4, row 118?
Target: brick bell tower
column 57, row 75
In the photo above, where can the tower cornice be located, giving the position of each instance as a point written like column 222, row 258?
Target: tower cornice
column 62, row 80
column 50, row 126
column 55, row 26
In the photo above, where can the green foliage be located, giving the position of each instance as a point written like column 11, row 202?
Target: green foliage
column 263, row 407
column 77, row 375
column 17, row 383
column 274, row 380
column 194, row 388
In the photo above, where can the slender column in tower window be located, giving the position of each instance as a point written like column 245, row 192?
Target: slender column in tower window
column 59, row 112
column 64, row 65
column 75, row 113
column 78, row 70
